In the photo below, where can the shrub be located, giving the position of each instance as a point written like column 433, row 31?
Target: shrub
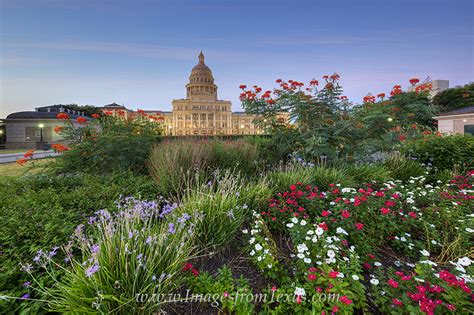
column 443, row 152
column 108, row 144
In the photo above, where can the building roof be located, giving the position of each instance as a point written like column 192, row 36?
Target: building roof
column 40, row 115
column 459, row 111
column 114, row 105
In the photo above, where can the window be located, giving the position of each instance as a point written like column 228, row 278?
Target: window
column 469, row 129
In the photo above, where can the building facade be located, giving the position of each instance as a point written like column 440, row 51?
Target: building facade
column 457, row 121
column 35, row 129
column 201, row 113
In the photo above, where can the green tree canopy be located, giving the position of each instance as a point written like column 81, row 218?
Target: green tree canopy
column 455, row 98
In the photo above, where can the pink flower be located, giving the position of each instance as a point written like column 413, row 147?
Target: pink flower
column 393, row 283
column 333, row 274
column 345, row 214
column 344, row 299
column 311, row 277
column 359, row 226
column 397, row 302
column 226, row 294
column 412, row 214
column 385, row 210
column 325, row 213
column 274, row 288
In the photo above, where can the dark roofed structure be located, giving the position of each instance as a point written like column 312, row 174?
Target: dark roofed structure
column 115, row 106
column 459, row 111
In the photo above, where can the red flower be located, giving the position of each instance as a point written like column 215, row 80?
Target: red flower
column 325, row 213
column 414, row 81
column 95, row 116
column 242, row 86
column 274, row 288
column 81, row 120
column 385, row 210
column 313, row 82
column 188, row 266
column 195, row 272
column 333, row 274
column 381, row 95
column 369, row 98
column 343, row 97
column 344, row 299
column 359, row 226
column 22, row 161
column 292, row 187
column 393, row 283
column 58, row 148
column 397, row 302
column 270, row 101
column 278, row 80
column 28, row 154
column 58, row 129
column 345, row 214
column 311, row 277
column 62, row 116
column 412, row 214
column 109, row 113
column 402, row 137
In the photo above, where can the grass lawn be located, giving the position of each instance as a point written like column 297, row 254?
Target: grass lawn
column 13, row 169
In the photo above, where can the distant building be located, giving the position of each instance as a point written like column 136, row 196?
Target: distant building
column 201, row 112
column 457, row 121
column 436, row 86
column 35, row 129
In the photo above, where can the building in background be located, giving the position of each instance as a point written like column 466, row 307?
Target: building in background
column 457, row 121
column 201, row 112
column 35, row 129
column 436, row 86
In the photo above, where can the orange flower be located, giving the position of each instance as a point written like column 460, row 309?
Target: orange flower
column 58, row 129
column 62, row 116
column 95, row 116
column 59, row 148
column 109, row 113
column 28, row 154
column 81, row 120
column 22, row 161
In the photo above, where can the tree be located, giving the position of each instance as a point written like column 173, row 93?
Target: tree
column 455, row 98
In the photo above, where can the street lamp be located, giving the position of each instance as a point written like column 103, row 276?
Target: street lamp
column 41, row 126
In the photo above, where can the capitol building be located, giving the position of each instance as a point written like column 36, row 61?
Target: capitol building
column 201, row 112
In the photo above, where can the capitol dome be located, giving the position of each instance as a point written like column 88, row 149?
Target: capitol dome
column 201, row 82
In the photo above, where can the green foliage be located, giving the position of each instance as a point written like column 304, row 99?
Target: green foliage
column 222, row 204
column 402, row 168
column 454, row 98
column 109, row 144
column 227, row 293
column 367, row 173
column 181, row 165
column 41, row 211
column 446, row 152
column 126, row 259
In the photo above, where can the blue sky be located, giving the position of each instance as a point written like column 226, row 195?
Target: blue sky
column 140, row 53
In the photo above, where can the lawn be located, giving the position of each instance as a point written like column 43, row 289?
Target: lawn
column 14, row 170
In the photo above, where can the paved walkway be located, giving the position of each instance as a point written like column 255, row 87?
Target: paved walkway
column 13, row 157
